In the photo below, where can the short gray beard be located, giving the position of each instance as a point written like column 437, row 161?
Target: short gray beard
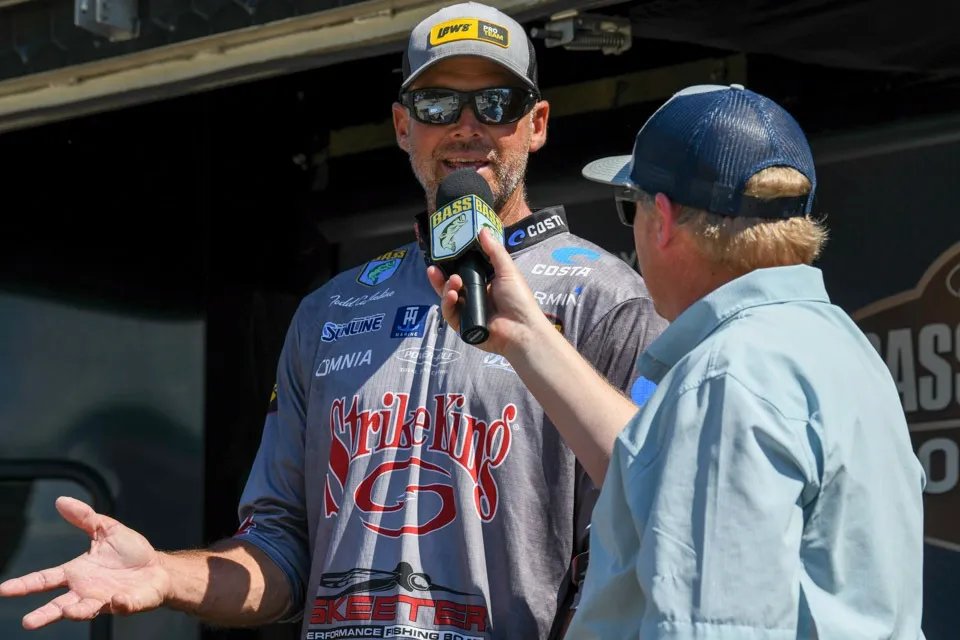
column 509, row 179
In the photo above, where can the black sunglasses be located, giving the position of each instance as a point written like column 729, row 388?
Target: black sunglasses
column 627, row 199
column 494, row 105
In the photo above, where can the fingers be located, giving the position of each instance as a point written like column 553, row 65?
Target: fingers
column 449, row 301
column 436, row 278
column 450, row 310
column 68, row 605
column 502, row 262
column 36, row 582
column 85, row 609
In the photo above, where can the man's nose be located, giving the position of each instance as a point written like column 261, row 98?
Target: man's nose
column 467, row 126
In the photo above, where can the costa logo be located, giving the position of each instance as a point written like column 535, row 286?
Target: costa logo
column 574, row 255
column 917, row 333
column 545, row 226
column 432, row 435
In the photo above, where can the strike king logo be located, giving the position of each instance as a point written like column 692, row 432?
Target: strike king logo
column 440, row 431
column 418, row 602
column 917, row 333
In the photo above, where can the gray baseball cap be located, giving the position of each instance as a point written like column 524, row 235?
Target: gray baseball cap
column 470, row 29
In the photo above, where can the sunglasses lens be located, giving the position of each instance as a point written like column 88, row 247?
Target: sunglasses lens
column 435, row 106
column 500, row 106
column 627, row 210
column 491, row 106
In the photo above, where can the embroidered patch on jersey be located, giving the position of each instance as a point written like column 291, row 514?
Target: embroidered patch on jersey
column 410, row 321
column 469, row 29
column 381, row 268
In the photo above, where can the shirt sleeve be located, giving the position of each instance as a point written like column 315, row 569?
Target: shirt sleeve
column 272, row 507
column 613, row 346
column 714, row 485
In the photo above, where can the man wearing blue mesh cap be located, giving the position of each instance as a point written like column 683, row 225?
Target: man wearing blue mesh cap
column 767, row 487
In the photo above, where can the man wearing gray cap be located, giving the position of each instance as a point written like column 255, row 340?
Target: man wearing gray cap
column 407, row 484
column 767, row 488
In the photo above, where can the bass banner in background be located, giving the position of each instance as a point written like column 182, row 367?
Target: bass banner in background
column 917, row 333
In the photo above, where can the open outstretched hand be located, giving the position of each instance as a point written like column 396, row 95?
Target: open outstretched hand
column 121, row 573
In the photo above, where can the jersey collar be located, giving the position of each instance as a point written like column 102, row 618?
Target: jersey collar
column 535, row 228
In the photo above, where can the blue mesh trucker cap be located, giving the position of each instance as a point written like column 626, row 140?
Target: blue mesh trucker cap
column 702, row 146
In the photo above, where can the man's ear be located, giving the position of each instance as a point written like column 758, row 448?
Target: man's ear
column 401, row 126
column 667, row 213
column 538, row 120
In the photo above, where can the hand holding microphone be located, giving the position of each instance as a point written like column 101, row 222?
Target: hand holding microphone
column 463, row 210
column 467, row 257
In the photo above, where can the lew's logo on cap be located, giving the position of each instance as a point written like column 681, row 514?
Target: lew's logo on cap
column 917, row 333
column 469, row 29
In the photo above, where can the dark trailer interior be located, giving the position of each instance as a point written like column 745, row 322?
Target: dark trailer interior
column 170, row 195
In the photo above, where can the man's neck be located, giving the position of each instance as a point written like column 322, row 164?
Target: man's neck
column 700, row 282
column 515, row 209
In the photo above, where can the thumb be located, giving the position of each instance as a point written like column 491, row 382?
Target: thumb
column 503, row 264
column 82, row 515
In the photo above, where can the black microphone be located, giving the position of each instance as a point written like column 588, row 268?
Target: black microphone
column 463, row 209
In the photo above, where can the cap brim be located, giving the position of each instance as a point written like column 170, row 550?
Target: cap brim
column 614, row 170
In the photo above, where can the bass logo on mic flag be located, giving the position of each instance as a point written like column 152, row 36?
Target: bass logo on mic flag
column 453, row 227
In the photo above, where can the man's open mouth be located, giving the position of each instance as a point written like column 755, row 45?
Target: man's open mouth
column 464, row 163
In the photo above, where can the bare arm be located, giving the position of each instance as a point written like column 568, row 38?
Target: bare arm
column 233, row 584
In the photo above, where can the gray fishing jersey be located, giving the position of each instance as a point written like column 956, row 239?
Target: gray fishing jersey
column 407, row 483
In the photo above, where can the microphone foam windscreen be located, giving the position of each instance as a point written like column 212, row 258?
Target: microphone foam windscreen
column 463, row 182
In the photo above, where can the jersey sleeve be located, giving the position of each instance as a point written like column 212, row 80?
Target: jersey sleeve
column 615, row 343
column 612, row 346
column 272, row 507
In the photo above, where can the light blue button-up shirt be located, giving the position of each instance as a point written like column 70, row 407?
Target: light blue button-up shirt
column 767, row 488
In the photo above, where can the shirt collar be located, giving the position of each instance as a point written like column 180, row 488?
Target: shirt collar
column 533, row 229
column 761, row 287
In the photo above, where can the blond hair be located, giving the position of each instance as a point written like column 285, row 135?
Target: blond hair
column 745, row 244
